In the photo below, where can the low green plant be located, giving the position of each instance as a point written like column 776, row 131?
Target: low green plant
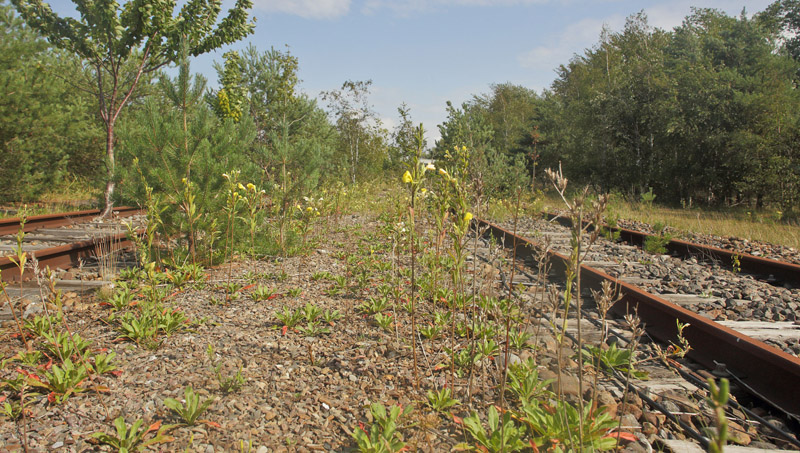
column 524, row 382
column 657, row 244
column 30, row 358
column 227, row 384
column 231, row 287
column 331, row 316
column 294, row 292
column 613, row 358
column 191, row 409
column 558, row 424
column 487, row 349
column 383, row 321
column 718, row 399
column 441, row 400
column 141, row 329
column 170, row 321
column 133, row 438
column 383, row 436
column 504, row 435
column 519, row 339
column 41, row 325
column 373, row 305
column 262, row 293
column 648, row 197
column 121, row 298
column 321, row 276
column 65, row 380
column 65, row 346
column 104, row 363
column 289, row 317
column 431, row 332
column 313, row 329
column 311, row 312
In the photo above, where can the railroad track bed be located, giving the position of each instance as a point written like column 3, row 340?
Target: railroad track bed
column 674, row 386
column 740, row 245
column 313, row 389
column 82, row 230
column 82, row 252
column 740, row 301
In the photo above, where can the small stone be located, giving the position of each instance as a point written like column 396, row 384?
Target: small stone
column 58, row 444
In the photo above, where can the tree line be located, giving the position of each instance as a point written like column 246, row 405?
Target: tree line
column 708, row 113
column 704, row 113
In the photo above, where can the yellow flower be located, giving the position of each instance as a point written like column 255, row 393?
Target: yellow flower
column 467, row 216
column 251, row 186
column 443, row 172
column 423, row 190
column 309, row 209
column 430, row 167
column 226, row 176
column 463, row 148
column 241, row 187
column 407, row 177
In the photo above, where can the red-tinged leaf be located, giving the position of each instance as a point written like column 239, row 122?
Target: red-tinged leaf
column 440, row 367
column 116, row 373
column 104, row 304
column 533, row 446
column 47, row 365
column 283, row 331
column 2, row 398
column 51, row 397
column 101, row 389
column 248, row 287
column 154, row 427
column 361, row 425
column 458, row 420
column 273, row 296
column 210, row 423
column 103, row 350
column 621, row 435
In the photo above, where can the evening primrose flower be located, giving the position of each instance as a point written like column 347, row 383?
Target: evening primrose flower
column 467, row 216
column 226, row 176
column 251, row 186
column 407, row 177
column 443, row 172
column 430, row 167
column 241, row 186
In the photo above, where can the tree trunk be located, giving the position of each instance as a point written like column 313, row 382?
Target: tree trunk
column 109, row 191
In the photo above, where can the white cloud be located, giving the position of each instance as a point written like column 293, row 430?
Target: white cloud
column 309, row 9
column 573, row 40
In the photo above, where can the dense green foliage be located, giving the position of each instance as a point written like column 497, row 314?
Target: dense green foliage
column 118, row 44
column 45, row 127
column 705, row 113
column 708, row 112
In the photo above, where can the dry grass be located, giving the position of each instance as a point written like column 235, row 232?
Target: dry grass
column 754, row 226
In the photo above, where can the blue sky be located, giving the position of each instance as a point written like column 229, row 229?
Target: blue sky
column 424, row 53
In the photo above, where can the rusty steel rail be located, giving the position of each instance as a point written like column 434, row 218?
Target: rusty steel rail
column 11, row 225
column 64, row 256
column 762, row 267
column 771, row 373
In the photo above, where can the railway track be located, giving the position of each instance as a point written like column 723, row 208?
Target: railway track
column 726, row 348
column 777, row 272
column 61, row 240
